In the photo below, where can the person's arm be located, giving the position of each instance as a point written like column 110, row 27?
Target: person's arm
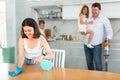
column 84, row 22
column 19, row 68
column 108, row 28
column 21, row 53
column 47, row 49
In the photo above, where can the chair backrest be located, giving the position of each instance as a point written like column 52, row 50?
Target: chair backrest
column 59, row 58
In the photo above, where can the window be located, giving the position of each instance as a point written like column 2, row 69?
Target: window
column 2, row 28
column 2, row 24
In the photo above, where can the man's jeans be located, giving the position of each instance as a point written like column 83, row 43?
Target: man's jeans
column 93, row 57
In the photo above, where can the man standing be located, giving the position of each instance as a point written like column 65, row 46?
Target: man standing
column 101, row 25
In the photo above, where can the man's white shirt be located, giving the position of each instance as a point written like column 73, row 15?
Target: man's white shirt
column 101, row 25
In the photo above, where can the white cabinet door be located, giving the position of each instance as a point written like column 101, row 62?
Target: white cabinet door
column 71, row 12
column 111, row 10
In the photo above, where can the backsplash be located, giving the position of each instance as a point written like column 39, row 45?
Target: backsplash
column 63, row 26
column 115, row 22
column 69, row 27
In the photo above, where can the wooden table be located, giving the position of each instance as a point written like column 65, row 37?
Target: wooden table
column 36, row 73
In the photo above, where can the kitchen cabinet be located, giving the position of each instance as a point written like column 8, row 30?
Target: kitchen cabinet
column 75, row 56
column 108, row 9
column 111, row 10
column 71, row 12
column 49, row 12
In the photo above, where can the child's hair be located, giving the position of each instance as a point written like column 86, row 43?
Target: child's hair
column 31, row 23
column 41, row 21
column 87, row 14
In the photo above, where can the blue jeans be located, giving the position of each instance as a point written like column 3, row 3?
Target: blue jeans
column 94, row 57
column 30, row 62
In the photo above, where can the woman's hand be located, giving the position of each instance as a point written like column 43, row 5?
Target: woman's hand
column 38, row 59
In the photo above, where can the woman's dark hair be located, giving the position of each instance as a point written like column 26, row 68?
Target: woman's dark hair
column 97, row 5
column 32, row 23
column 87, row 14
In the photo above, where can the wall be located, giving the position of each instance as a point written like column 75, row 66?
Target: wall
column 16, row 12
column 66, row 2
column 64, row 27
column 11, row 23
column 111, row 10
column 23, row 10
column 115, row 22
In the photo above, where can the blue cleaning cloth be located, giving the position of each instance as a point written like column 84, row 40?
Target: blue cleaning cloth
column 12, row 73
column 18, row 71
column 46, row 65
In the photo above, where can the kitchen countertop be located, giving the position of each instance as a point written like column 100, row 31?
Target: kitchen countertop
column 67, row 41
column 75, row 53
column 113, row 46
column 66, row 44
